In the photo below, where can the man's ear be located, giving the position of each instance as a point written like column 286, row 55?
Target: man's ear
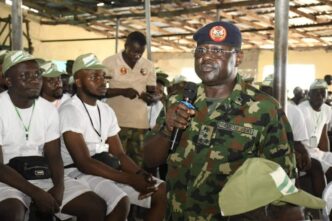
column 78, row 82
column 239, row 58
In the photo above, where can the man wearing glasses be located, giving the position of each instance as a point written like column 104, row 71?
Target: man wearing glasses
column 30, row 139
column 232, row 121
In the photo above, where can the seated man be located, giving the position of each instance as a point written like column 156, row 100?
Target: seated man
column 317, row 116
column 89, row 128
column 29, row 129
column 304, row 163
column 261, row 190
column 52, row 89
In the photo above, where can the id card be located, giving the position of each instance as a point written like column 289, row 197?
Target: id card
column 102, row 147
column 313, row 142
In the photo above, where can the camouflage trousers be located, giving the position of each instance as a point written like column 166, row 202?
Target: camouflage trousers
column 132, row 140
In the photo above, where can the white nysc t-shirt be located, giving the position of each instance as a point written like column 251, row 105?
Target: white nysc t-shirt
column 74, row 117
column 315, row 121
column 297, row 122
column 44, row 127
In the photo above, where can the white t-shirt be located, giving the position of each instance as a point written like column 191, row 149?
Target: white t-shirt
column 131, row 113
column 44, row 127
column 73, row 117
column 315, row 121
column 297, row 122
column 59, row 102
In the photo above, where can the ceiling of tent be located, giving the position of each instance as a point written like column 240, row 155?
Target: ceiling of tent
column 173, row 22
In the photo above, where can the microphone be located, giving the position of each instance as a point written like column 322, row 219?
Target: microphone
column 189, row 96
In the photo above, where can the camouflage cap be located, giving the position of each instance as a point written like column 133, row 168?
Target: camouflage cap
column 51, row 70
column 247, row 77
column 259, row 182
column 178, row 79
column 87, row 61
column 161, row 76
column 220, row 33
column 15, row 57
column 71, row 80
column 268, row 81
column 318, row 84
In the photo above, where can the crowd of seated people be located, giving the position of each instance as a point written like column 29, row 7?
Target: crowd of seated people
column 62, row 154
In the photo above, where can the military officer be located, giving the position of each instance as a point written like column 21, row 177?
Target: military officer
column 232, row 121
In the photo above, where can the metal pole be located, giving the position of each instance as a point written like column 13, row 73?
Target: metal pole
column 148, row 27
column 117, row 34
column 280, row 50
column 218, row 15
column 16, row 21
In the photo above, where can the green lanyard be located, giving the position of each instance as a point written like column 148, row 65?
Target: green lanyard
column 26, row 128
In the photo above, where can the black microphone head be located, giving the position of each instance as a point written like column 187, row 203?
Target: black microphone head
column 190, row 91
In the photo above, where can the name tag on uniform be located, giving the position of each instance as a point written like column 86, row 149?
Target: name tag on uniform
column 237, row 128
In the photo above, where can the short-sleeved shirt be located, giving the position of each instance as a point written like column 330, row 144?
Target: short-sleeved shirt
column 74, row 117
column 131, row 113
column 247, row 124
column 297, row 122
column 44, row 127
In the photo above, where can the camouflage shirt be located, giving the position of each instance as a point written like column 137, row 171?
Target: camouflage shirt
column 247, row 124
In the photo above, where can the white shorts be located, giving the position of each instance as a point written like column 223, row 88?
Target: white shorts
column 72, row 190
column 325, row 158
column 109, row 190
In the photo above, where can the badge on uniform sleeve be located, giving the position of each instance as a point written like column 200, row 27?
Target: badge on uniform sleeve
column 218, row 33
column 123, row 70
column 143, row 71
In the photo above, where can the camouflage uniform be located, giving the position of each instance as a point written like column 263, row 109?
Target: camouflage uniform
column 247, row 124
column 132, row 137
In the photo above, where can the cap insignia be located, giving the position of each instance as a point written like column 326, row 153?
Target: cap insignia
column 218, row 33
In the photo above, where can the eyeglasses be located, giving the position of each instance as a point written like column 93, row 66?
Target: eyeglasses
column 28, row 76
column 215, row 52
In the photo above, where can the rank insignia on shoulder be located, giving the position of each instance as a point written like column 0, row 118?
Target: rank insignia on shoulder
column 205, row 135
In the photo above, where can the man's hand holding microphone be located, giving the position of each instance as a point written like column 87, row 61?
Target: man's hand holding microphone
column 178, row 116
